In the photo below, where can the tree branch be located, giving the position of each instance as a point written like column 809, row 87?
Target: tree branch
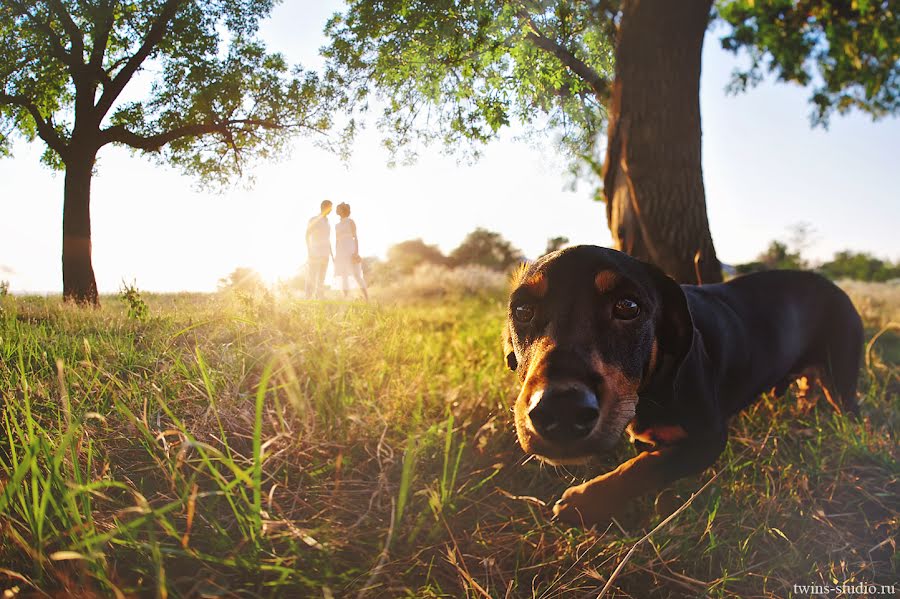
column 153, row 143
column 103, row 24
column 44, row 126
column 597, row 83
column 75, row 34
column 57, row 48
column 153, row 37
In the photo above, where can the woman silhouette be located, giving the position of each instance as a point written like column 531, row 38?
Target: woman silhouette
column 347, row 262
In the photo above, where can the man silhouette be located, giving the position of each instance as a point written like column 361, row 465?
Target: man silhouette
column 318, row 246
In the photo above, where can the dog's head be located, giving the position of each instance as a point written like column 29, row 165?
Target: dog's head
column 587, row 329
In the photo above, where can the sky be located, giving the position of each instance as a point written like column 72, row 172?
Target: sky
column 765, row 170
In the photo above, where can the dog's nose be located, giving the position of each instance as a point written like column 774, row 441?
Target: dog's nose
column 565, row 414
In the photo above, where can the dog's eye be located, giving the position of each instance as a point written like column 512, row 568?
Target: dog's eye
column 523, row 313
column 626, row 309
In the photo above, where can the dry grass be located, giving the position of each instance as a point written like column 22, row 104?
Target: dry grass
column 266, row 448
column 878, row 303
column 434, row 281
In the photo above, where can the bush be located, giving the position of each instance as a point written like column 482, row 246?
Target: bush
column 430, row 280
column 486, row 248
column 860, row 266
column 243, row 279
column 776, row 257
column 406, row 256
column 134, row 301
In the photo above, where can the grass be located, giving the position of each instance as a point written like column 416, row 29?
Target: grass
column 217, row 446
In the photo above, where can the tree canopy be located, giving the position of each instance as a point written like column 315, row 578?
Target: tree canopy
column 848, row 53
column 460, row 70
column 488, row 249
column 200, row 84
column 556, row 243
column 405, row 256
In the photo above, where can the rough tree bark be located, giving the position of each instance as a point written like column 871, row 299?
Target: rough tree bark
column 656, row 206
column 79, row 284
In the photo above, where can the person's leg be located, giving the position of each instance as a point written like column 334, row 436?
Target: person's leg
column 321, row 269
column 362, row 284
column 310, row 278
column 345, row 283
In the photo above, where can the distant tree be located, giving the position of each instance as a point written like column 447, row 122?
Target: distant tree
column 802, row 237
column 555, row 243
column 776, row 257
column 486, row 248
column 404, row 257
column 242, row 279
column 779, row 256
column 190, row 77
column 460, row 70
column 860, row 266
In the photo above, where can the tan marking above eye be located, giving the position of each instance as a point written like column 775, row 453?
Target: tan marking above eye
column 537, row 284
column 605, row 280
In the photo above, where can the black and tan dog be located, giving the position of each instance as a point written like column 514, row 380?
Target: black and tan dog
column 603, row 342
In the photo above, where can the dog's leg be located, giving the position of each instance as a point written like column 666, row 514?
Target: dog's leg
column 815, row 382
column 601, row 498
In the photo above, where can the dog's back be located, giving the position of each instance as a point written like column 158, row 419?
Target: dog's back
column 770, row 327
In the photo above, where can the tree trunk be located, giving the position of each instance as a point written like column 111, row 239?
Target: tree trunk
column 79, row 284
column 653, row 180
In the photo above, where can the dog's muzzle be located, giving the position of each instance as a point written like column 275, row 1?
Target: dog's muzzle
column 562, row 413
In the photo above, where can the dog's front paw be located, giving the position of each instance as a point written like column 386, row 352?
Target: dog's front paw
column 596, row 501
column 584, row 505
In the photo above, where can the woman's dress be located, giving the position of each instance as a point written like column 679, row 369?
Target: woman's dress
column 346, row 250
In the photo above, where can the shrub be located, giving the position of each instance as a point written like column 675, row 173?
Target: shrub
column 486, row 248
column 859, row 266
column 877, row 303
column 430, row 280
column 242, row 279
column 137, row 307
column 406, row 256
column 776, row 257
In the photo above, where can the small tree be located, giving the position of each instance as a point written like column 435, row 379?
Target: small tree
column 242, row 279
column 486, row 248
column 776, row 257
column 556, row 243
column 404, row 257
column 215, row 98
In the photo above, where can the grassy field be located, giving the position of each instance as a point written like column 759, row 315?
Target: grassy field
column 248, row 446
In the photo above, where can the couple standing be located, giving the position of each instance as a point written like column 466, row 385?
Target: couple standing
column 347, row 262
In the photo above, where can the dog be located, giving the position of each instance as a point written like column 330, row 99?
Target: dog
column 603, row 343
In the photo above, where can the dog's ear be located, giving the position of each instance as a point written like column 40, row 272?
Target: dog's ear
column 674, row 326
column 511, row 362
column 687, row 377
